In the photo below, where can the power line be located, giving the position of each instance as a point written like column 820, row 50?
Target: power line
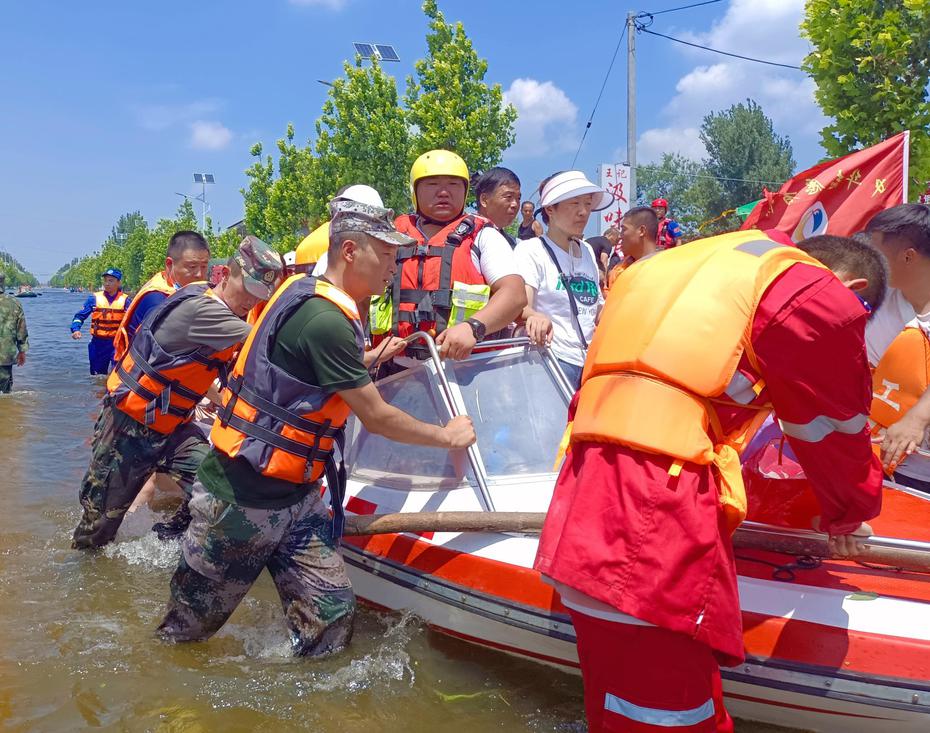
column 599, row 95
column 683, row 7
column 642, row 29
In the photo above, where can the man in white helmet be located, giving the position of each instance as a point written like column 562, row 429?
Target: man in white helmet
column 460, row 280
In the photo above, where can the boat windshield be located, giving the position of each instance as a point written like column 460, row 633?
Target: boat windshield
column 512, row 396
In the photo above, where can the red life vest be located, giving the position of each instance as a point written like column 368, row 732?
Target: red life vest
column 106, row 317
column 664, row 240
column 284, row 427
column 160, row 283
column 422, row 293
column 158, row 389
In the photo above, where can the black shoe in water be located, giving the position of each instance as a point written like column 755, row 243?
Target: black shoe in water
column 174, row 527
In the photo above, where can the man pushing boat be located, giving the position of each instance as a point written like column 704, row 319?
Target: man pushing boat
column 257, row 500
column 693, row 350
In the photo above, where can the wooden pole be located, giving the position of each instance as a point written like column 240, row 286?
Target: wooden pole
column 917, row 561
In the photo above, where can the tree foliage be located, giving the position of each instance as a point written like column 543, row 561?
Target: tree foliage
column 16, row 274
column 448, row 103
column 133, row 247
column 365, row 135
column 744, row 153
column 871, row 63
column 362, row 137
column 685, row 183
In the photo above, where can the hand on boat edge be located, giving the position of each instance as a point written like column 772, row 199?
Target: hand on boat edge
column 850, row 544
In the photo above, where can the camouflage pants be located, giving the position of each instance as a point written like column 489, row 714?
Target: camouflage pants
column 225, row 549
column 125, row 454
column 6, row 378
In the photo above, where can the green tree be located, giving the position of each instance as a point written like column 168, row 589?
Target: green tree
column 744, row 153
column 256, row 195
column 16, row 274
column 362, row 137
column 449, row 105
column 871, row 64
column 689, row 187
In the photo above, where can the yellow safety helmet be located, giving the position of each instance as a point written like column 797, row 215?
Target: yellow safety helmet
column 313, row 246
column 436, row 163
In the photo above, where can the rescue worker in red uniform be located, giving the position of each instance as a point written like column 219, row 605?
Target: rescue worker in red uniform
column 183, row 345
column 669, row 231
column 185, row 263
column 459, row 280
column 693, row 349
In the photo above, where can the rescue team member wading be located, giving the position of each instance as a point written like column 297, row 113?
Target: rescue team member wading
column 106, row 309
column 458, row 279
column 185, row 263
column 14, row 337
column 257, row 500
column 180, row 348
column 693, row 348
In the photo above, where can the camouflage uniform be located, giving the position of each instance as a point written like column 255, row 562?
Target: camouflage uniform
column 14, row 338
column 225, row 549
column 125, row 454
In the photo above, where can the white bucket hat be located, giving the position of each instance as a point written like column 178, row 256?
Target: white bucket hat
column 568, row 185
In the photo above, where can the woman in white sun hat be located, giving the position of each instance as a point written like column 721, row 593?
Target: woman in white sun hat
column 560, row 270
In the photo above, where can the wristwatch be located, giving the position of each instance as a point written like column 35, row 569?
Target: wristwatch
column 478, row 329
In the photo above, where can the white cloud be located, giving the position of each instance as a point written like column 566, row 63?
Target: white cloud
column 209, row 135
column 546, row 118
column 653, row 143
column 766, row 29
column 162, row 116
column 330, row 4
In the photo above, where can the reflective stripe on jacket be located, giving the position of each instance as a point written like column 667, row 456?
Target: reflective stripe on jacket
column 159, row 389
column 106, row 316
column 436, row 285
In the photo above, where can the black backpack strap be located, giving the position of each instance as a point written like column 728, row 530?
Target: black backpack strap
column 566, row 283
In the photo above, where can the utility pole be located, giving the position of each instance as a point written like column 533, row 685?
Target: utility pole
column 631, row 102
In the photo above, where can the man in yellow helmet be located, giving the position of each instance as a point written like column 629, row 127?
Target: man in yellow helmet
column 460, row 279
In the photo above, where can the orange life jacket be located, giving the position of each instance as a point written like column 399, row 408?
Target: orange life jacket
column 422, row 293
column 160, row 283
column 901, row 377
column 284, row 427
column 669, row 342
column 106, row 316
column 158, row 389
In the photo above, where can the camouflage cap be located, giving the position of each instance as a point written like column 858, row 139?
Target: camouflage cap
column 353, row 216
column 261, row 266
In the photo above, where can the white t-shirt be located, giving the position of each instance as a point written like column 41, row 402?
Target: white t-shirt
column 886, row 323
column 541, row 274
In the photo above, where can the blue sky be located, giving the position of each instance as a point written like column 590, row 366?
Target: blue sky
column 111, row 106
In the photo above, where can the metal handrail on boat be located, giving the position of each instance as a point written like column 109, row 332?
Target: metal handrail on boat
column 888, row 543
column 449, row 400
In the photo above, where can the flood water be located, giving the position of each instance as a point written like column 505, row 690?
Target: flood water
column 77, row 650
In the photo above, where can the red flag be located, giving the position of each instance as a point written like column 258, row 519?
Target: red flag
column 837, row 196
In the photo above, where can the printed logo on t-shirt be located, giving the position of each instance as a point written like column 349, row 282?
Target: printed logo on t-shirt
column 584, row 289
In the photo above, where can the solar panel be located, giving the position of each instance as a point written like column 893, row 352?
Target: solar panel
column 365, row 50
column 198, row 178
column 387, row 53
column 209, row 177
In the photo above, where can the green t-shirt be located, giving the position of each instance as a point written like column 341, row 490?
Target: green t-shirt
column 317, row 346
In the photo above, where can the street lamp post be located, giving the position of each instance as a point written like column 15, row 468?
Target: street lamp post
column 203, row 179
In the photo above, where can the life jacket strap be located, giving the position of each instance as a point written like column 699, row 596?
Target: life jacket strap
column 336, row 483
column 276, row 440
column 321, row 430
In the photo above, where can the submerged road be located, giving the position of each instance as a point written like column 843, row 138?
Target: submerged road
column 77, row 650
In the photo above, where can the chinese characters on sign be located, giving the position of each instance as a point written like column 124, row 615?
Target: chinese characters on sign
column 614, row 178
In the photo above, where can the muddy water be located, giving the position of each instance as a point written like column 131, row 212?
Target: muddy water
column 76, row 644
